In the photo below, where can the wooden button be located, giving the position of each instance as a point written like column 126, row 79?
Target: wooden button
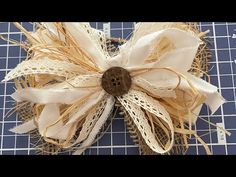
column 116, row 81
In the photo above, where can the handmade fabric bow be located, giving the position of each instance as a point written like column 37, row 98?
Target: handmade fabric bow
column 72, row 83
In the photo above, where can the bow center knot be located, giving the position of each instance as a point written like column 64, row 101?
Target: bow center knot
column 116, row 81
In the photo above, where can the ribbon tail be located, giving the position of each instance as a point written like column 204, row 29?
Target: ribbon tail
column 50, row 95
column 213, row 99
column 97, row 126
column 24, row 128
column 133, row 102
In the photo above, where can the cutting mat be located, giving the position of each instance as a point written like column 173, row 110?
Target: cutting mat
column 117, row 140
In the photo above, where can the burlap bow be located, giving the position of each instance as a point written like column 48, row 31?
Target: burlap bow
column 63, row 76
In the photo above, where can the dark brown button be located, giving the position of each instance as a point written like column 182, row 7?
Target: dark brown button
column 116, row 81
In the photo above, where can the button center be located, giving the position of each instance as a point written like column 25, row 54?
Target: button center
column 116, row 81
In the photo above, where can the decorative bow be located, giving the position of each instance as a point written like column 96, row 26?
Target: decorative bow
column 72, row 83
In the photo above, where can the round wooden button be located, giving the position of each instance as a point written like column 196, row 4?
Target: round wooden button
column 116, row 81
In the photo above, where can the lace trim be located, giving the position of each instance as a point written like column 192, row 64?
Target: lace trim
column 43, row 66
